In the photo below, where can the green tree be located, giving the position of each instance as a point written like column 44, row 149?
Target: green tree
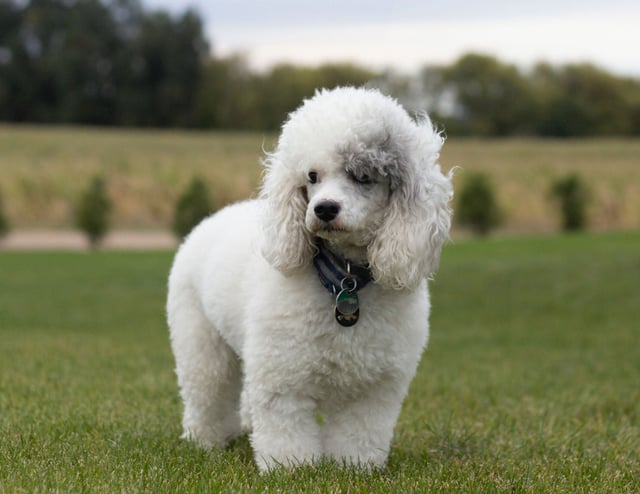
column 477, row 207
column 167, row 59
column 58, row 62
column 192, row 207
column 583, row 100
column 281, row 90
column 98, row 62
column 572, row 196
column 491, row 98
column 93, row 211
column 226, row 97
column 233, row 97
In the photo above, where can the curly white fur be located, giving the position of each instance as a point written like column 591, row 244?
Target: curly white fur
column 256, row 344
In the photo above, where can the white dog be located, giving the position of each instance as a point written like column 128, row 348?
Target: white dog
column 301, row 316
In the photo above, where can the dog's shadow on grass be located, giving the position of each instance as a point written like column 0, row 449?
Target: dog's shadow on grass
column 442, row 447
column 240, row 447
column 431, row 450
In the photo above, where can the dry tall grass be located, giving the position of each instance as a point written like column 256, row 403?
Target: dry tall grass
column 43, row 170
column 523, row 170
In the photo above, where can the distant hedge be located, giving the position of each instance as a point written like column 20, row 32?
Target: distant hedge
column 571, row 195
column 477, row 206
column 93, row 211
column 4, row 222
column 192, row 207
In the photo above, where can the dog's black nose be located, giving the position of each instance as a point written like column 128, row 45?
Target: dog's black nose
column 327, row 210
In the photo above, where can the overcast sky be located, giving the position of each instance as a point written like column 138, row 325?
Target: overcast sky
column 408, row 34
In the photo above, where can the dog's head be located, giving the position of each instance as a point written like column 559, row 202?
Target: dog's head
column 352, row 167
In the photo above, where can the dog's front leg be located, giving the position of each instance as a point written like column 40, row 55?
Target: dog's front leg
column 285, row 429
column 360, row 432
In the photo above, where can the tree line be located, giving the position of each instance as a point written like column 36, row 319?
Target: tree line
column 111, row 62
column 102, row 63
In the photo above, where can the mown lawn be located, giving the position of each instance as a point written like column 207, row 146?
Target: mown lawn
column 529, row 384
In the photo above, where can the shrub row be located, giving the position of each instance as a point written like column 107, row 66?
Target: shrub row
column 476, row 207
column 93, row 210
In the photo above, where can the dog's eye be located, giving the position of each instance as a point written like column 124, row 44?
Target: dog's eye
column 361, row 178
column 313, row 177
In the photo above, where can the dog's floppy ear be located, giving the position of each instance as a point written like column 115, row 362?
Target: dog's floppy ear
column 406, row 248
column 286, row 243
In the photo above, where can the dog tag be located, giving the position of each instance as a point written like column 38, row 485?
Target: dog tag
column 347, row 308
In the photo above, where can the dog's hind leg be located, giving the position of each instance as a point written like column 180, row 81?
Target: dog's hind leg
column 209, row 373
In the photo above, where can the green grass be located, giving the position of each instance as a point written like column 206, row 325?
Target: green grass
column 529, row 384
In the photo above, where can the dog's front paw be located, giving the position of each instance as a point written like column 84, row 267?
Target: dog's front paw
column 204, row 440
column 277, row 450
column 285, row 430
column 211, row 436
column 269, row 463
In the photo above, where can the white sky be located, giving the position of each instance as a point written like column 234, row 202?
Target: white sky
column 408, row 34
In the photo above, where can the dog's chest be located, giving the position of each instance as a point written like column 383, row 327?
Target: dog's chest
column 345, row 362
column 298, row 347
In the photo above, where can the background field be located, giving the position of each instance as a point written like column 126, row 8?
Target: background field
column 530, row 382
column 44, row 170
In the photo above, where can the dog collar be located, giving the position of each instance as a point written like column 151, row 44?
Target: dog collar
column 343, row 279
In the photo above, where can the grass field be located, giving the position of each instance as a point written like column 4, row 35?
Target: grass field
column 43, row 171
column 529, row 384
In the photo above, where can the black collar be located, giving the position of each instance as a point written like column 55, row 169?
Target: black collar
column 335, row 271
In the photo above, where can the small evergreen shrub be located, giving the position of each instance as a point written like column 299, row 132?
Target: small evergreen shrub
column 93, row 212
column 571, row 194
column 192, row 207
column 4, row 223
column 477, row 207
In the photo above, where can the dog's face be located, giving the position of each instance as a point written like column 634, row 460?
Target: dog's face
column 345, row 203
column 352, row 167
